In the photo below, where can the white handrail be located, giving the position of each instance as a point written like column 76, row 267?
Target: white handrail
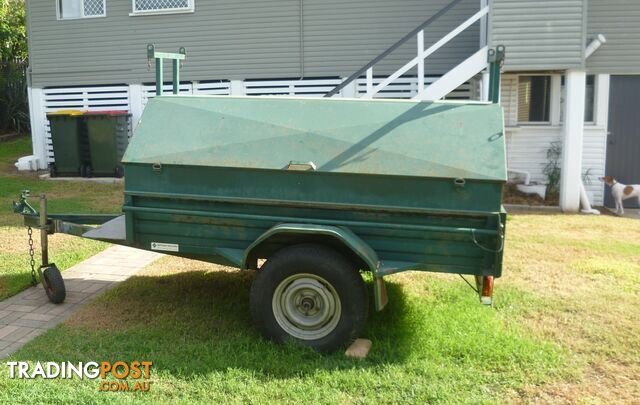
column 419, row 59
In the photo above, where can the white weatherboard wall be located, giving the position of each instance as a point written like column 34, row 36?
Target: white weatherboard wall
column 527, row 145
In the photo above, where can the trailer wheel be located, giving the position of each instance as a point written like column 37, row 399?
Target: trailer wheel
column 54, row 284
column 309, row 294
column 52, row 170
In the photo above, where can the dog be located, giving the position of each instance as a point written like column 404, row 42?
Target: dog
column 621, row 192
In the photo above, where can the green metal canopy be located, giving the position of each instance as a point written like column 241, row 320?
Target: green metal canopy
column 408, row 138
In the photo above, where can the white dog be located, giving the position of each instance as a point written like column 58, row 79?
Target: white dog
column 621, row 192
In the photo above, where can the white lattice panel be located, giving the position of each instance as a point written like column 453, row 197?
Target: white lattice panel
column 93, row 7
column 158, row 5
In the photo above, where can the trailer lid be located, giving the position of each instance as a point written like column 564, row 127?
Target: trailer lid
column 428, row 139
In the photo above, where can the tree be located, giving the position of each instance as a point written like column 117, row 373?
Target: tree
column 14, row 110
column 13, row 35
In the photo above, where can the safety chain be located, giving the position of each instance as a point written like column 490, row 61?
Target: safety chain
column 31, row 254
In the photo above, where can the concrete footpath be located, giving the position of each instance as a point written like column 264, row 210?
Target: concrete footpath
column 29, row 313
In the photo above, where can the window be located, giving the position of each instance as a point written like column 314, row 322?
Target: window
column 71, row 9
column 161, row 6
column 589, row 99
column 534, row 95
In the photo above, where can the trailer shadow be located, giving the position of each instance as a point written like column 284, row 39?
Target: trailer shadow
column 193, row 323
column 361, row 150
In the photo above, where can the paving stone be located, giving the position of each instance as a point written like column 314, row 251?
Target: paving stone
column 37, row 300
column 6, row 330
column 45, row 308
column 31, row 335
column 75, row 297
column 75, row 285
column 96, row 286
column 13, row 316
column 28, row 323
column 32, row 292
column 38, row 317
column 7, row 351
column 17, row 334
column 105, row 277
column 21, row 308
column 29, row 313
column 57, row 309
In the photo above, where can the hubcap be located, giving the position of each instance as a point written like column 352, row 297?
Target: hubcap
column 306, row 306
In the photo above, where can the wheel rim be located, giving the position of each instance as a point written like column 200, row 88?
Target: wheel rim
column 306, row 306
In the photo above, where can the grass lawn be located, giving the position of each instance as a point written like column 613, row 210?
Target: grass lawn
column 65, row 196
column 565, row 328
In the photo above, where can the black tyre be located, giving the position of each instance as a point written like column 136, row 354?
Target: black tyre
column 53, row 172
column 54, row 284
column 88, row 171
column 310, row 294
column 119, row 171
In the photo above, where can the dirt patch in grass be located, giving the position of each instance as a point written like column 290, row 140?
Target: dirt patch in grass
column 511, row 195
column 574, row 280
column 586, row 268
column 608, row 384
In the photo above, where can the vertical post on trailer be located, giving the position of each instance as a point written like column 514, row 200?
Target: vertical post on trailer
column 176, row 76
column 159, row 58
column 159, row 75
column 495, row 59
column 44, row 231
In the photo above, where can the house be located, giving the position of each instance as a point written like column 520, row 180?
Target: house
column 560, row 84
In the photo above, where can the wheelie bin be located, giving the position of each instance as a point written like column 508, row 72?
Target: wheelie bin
column 69, row 147
column 108, row 137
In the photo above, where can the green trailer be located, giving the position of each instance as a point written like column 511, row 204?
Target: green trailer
column 310, row 193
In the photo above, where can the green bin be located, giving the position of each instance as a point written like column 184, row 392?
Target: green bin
column 69, row 147
column 108, row 136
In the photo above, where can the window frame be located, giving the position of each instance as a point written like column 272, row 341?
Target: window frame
column 83, row 16
column 551, row 101
column 594, row 100
column 190, row 9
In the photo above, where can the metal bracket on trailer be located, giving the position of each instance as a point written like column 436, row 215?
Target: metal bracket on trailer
column 495, row 59
column 159, row 57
